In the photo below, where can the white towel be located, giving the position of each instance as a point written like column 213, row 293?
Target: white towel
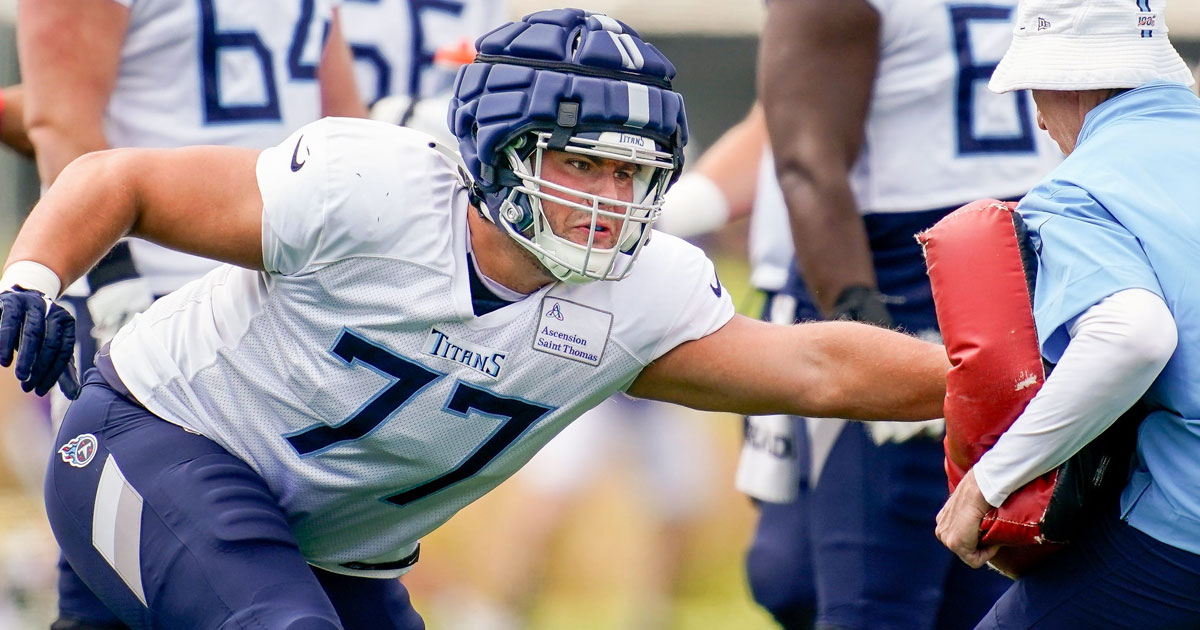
column 768, row 468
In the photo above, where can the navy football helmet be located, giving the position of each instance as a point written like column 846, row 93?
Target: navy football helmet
column 579, row 82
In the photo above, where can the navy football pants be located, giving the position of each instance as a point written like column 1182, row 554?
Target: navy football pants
column 1114, row 577
column 171, row 531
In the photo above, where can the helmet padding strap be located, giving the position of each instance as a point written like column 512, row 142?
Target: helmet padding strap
column 568, row 117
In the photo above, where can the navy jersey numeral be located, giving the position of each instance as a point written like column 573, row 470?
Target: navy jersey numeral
column 422, row 58
column 970, row 73
column 516, row 417
column 408, row 379
column 373, row 57
column 419, row 59
column 214, row 42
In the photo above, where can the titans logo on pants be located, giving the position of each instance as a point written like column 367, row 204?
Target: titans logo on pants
column 79, row 451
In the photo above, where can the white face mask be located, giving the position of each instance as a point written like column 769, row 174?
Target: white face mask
column 584, row 262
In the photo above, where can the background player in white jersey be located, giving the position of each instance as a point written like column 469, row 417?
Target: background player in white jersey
column 407, row 52
column 400, row 333
column 170, row 73
column 881, row 124
column 397, row 43
column 166, row 73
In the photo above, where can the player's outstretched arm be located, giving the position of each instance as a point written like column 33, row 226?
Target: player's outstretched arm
column 201, row 200
column 825, row 369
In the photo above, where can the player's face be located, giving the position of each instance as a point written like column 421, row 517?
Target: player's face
column 594, row 175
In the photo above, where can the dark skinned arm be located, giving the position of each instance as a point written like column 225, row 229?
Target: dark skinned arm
column 817, row 64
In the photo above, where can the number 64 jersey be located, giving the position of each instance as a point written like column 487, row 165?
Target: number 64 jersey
column 353, row 374
column 225, row 72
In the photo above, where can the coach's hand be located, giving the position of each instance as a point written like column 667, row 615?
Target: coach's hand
column 42, row 336
column 958, row 523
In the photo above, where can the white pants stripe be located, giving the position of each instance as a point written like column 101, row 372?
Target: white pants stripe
column 117, row 526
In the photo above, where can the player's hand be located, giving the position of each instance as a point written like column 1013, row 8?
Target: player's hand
column 861, row 303
column 113, row 305
column 958, row 523
column 41, row 334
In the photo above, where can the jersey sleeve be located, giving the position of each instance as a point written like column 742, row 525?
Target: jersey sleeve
column 291, row 179
column 673, row 296
column 343, row 187
column 1084, row 255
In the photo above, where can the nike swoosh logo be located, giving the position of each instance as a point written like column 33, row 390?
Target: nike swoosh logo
column 297, row 165
column 716, row 286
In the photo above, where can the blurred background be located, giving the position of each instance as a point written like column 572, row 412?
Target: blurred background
column 595, row 567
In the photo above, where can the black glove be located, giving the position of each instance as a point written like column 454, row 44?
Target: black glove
column 861, row 303
column 42, row 335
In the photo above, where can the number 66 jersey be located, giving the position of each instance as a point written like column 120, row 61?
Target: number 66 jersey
column 353, row 374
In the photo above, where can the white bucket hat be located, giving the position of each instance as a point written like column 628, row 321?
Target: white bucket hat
column 1089, row 45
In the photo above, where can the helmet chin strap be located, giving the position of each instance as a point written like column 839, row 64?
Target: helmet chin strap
column 545, row 245
column 517, row 210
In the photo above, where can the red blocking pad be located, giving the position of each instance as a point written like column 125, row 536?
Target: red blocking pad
column 983, row 271
column 982, row 289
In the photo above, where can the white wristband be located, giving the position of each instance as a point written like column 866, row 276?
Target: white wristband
column 694, row 206
column 31, row 275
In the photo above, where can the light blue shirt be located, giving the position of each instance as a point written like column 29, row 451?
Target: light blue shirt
column 1122, row 212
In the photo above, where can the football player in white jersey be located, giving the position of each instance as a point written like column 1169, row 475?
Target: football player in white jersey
column 167, row 73
column 399, row 329
column 881, row 124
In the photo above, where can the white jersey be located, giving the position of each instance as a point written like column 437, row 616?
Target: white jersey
column 354, row 376
column 223, row 72
column 935, row 136
column 395, row 42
